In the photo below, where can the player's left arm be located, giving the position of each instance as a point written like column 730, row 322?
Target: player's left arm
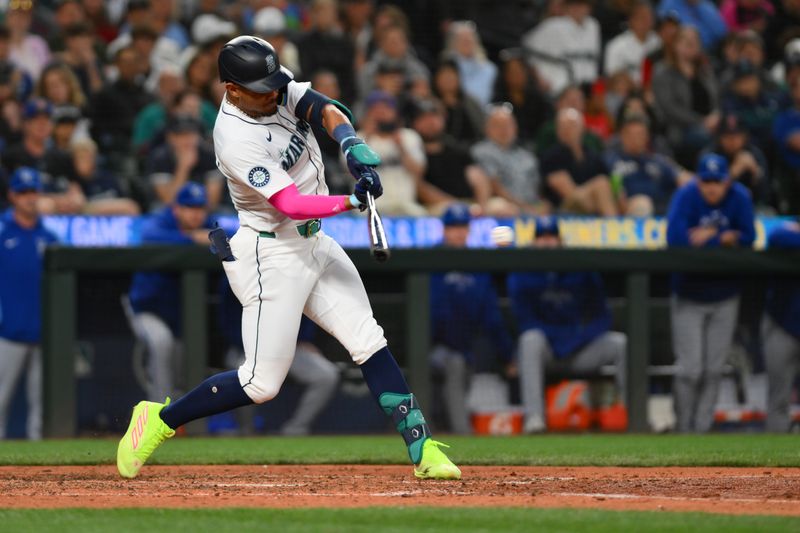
column 335, row 118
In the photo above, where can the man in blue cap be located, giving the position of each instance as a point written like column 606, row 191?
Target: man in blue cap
column 59, row 193
column 23, row 239
column 710, row 212
column 466, row 323
column 154, row 310
column 564, row 323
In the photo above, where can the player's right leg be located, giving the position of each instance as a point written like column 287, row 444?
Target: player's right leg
column 688, row 325
column 534, row 354
column 12, row 361
column 339, row 303
column 719, row 333
column 782, row 358
column 34, row 393
column 272, row 293
column 457, row 375
column 608, row 349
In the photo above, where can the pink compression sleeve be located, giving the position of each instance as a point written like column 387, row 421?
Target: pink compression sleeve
column 298, row 206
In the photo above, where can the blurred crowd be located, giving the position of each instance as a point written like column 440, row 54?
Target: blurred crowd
column 686, row 109
column 597, row 107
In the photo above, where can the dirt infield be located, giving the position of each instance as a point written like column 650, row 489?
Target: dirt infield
column 719, row 490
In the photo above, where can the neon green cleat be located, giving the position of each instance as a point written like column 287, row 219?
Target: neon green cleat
column 145, row 432
column 435, row 464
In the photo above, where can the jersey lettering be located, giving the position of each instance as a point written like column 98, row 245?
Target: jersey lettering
column 303, row 128
column 292, row 152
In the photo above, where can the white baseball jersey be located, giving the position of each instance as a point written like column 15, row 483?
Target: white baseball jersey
column 260, row 157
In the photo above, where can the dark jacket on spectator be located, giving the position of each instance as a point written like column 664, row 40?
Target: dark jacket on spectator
column 673, row 99
column 114, row 111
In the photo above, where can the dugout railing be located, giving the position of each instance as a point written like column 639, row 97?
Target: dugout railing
column 62, row 265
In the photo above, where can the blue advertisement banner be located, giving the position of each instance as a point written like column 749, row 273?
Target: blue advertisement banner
column 408, row 232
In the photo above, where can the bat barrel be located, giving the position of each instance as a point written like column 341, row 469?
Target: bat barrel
column 378, row 246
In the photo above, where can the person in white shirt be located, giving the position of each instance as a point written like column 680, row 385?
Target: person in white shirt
column 478, row 74
column 572, row 43
column 402, row 152
column 626, row 51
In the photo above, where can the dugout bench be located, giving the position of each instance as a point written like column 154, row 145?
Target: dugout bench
column 62, row 264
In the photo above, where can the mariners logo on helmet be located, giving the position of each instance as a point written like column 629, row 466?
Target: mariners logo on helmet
column 258, row 177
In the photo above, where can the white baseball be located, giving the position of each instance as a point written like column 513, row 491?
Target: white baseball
column 502, row 235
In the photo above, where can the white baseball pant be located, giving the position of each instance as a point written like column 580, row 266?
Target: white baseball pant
column 277, row 280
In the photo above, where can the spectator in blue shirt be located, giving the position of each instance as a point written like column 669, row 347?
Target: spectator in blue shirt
column 465, row 314
column 781, row 334
column 711, row 212
column 155, row 296
column 643, row 180
column 564, row 324
column 23, row 239
column 702, row 14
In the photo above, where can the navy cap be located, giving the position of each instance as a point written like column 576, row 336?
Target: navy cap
column 192, row 195
column 376, row 97
column 35, row 107
column 547, row 226
column 712, row 167
column 730, row 123
column 25, row 179
column 456, row 215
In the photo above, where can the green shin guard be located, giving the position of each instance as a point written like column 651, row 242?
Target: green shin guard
column 408, row 421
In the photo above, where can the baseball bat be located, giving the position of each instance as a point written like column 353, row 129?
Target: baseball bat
column 378, row 245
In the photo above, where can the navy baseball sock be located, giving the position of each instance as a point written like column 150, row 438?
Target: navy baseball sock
column 389, row 387
column 217, row 394
column 383, row 375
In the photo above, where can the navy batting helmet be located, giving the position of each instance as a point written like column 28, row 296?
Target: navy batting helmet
column 252, row 63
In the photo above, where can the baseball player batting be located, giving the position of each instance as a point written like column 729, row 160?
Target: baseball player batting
column 280, row 264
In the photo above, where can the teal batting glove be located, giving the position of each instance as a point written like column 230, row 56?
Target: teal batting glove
column 363, row 154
